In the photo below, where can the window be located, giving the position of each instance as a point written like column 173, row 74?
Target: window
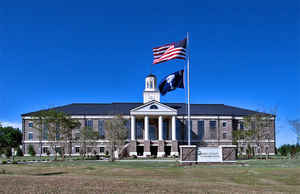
column 224, row 135
column 224, row 124
column 101, row 129
column 241, row 125
column 212, row 124
column 89, row 123
column 77, row 149
column 139, row 129
column 213, row 131
column 45, row 150
column 30, row 136
column 151, row 84
column 57, row 135
column 166, row 129
column 45, row 132
column 58, row 150
column 201, row 129
column 30, row 124
column 153, row 106
column 129, row 129
column 101, row 150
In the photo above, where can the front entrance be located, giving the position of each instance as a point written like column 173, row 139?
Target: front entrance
column 153, row 150
column 140, row 150
column 167, row 150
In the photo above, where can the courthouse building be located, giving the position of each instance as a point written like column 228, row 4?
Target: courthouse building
column 154, row 127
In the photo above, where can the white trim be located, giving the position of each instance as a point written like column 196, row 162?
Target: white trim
column 152, row 102
column 228, row 146
column 85, row 117
column 253, row 141
column 187, row 146
column 146, row 154
column 132, row 153
column 46, row 141
column 175, row 153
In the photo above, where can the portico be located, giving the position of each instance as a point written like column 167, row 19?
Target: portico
column 160, row 132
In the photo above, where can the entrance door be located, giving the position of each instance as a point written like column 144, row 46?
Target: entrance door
column 153, row 150
column 168, row 150
column 140, row 150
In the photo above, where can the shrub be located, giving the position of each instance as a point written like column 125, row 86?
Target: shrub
column 4, row 162
column 14, row 162
column 19, row 152
column 31, row 150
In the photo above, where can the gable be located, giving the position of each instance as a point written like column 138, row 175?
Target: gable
column 153, row 108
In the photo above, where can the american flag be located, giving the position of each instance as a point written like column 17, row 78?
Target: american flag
column 167, row 52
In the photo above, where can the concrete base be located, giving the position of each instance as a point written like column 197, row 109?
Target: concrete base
column 161, row 154
column 147, row 154
column 174, row 153
column 132, row 153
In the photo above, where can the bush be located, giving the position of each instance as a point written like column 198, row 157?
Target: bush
column 31, row 150
column 14, row 162
column 19, row 152
column 4, row 162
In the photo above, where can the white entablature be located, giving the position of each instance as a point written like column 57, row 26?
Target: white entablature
column 153, row 108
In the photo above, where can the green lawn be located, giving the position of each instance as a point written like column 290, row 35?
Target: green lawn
column 251, row 176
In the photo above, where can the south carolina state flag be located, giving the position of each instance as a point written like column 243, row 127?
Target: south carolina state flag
column 171, row 82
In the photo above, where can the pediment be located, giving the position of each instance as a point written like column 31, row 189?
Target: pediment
column 153, row 108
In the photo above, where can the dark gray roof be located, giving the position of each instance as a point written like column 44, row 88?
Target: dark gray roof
column 124, row 109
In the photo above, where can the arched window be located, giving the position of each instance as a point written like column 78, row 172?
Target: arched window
column 153, row 106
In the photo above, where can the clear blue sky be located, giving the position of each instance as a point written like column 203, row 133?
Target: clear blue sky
column 243, row 53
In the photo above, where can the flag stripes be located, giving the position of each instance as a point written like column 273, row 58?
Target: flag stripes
column 169, row 51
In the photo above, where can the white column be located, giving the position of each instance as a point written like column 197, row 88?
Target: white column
column 173, row 128
column 146, row 121
column 132, row 128
column 160, row 128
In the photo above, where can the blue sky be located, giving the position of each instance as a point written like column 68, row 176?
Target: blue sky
column 243, row 53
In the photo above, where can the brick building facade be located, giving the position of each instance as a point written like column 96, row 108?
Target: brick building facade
column 154, row 128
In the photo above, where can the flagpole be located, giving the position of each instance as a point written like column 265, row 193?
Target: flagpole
column 188, row 85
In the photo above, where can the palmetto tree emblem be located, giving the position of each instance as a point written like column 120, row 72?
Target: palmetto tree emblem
column 170, row 79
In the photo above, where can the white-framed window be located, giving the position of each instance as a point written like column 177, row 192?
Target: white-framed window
column 30, row 136
column 77, row 149
column 30, row 124
column 101, row 149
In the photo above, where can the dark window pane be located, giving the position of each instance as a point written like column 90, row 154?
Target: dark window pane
column 213, row 131
column 224, row 124
column 101, row 130
column 200, row 130
column 101, row 149
column 30, row 136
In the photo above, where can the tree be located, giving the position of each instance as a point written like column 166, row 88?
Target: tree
column 31, row 150
column 295, row 126
column 67, row 126
column 57, row 127
column 258, row 126
column 116, row 133
column 87, row 138
column 9, row 138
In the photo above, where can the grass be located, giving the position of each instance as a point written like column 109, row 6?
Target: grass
column 250, row 176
